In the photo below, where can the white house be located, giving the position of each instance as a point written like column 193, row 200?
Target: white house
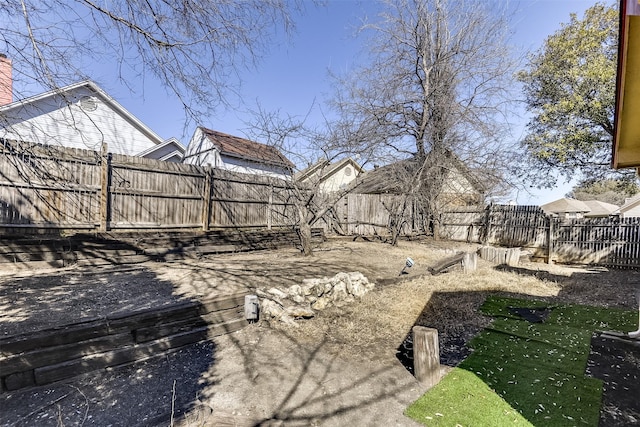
column 222, row 151
column 81, row 115
column 630, row 208
column 170, row 150
column 330, row 177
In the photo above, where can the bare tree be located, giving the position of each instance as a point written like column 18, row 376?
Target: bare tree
column 195, row 49
column 437, row 85
column 305, row 145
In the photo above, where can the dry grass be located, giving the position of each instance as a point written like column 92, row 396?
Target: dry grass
column 253, row 364
column 376, row 326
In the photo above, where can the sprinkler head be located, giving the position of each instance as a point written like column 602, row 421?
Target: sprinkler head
column 408, row 264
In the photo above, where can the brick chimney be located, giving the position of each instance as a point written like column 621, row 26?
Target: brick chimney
column 6, row 80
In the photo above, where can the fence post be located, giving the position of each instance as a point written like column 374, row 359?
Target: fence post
column 345, row 216
column 426, row 355
column 469, row 262
column 550, row 240
column 270, row 208
column 105, row 186
column 206, row 199
column 487, row 224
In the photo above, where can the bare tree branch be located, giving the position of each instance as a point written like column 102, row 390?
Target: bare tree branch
column 437, row 84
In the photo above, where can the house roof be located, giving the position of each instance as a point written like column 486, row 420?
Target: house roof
column 326, row 168
column 384, row 179
column 234, row 146
column 98, row 92
column 309, row 171
column 389, row 178
column 565, row 205
column 598, row 208
column 630, row 203
column 177, row 149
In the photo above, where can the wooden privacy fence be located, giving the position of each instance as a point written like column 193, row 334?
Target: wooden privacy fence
column 50, row 187
column 73, row 189
column 506, row 225
column 612, row 241
column 373, row 214
column 43, row 187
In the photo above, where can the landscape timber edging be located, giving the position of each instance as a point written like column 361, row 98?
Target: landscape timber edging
column 111, row 248
column 65, row 351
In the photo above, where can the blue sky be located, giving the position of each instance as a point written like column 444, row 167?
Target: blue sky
column 294, row 73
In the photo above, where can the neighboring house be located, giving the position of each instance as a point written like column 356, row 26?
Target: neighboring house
column 222, row 151
column 81, row 115
column 598, row 209
column 330, row 177
column 630, row 208
column 170, row 150
column 459, row 185
column 566, row 208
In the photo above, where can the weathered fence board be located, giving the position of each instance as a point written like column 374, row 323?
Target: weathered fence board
column 45, row 188
column 56, row 187
column 604, row 241
column 612, row 242
column 463, row 224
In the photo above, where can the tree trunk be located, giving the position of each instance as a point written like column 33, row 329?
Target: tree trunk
column 304, row 232
column 436, row 229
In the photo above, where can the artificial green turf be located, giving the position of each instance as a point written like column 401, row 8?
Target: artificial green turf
column 463, row 398
column 545, row 394
column 537, row 369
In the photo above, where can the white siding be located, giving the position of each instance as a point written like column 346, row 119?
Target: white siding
column 339, row 179
column 61, row 121
column 632, row 212
column 202, row 152
column 457, row 183
column 163, row 151
column 254, row 168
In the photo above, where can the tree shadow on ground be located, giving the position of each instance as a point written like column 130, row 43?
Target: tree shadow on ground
column 39, row 302
column 149, row 392
column 297, row 383
column 145, row 392
column 282, row 381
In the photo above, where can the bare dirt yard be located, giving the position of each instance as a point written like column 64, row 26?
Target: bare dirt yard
column 345, row 366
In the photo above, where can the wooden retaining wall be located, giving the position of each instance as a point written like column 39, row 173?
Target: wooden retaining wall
column 63, row 352
column 126, row 248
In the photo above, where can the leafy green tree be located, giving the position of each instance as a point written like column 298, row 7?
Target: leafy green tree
column 613, row 191
column 569, row 86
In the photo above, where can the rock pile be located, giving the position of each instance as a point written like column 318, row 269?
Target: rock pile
column 302, row 301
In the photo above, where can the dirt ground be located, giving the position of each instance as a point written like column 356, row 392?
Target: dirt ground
column 346, row 366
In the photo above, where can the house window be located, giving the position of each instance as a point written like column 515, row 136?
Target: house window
column 347, row 171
